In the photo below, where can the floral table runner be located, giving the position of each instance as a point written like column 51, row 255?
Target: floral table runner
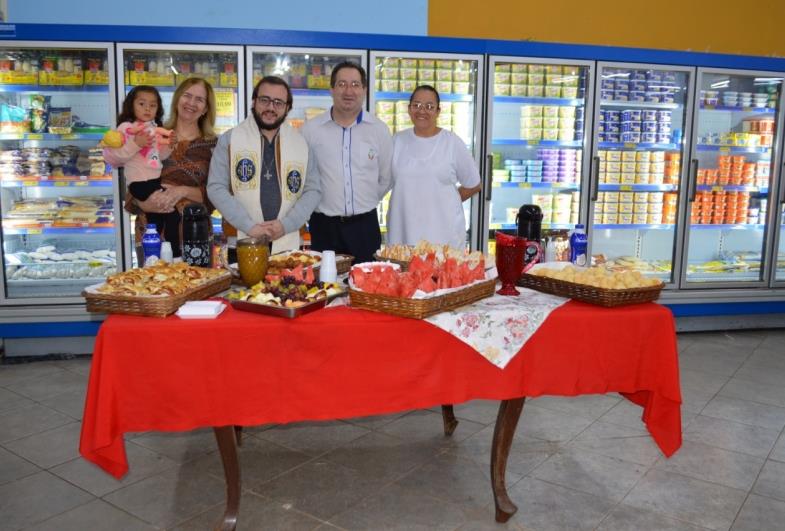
column 497, row 327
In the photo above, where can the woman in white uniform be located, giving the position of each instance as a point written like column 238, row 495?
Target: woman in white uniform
column 433, row 174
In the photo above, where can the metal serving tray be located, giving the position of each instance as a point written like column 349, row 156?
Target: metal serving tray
column 282, row 311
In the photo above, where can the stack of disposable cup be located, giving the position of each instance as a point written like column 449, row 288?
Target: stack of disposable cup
column 327, row 269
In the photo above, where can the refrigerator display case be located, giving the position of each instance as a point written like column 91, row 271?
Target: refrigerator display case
column 58, row 200
column 735, row 157
column 165, row 67
column 307, row 70
column 643, row 116
column 457, row 78
column 538, row 121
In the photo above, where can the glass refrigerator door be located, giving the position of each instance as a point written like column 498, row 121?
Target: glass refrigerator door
column 306, row 70
column 456, row 77
column 538, row 136
column 57, row 198
column 737, row 124
column 642, row 120
column 165, row 67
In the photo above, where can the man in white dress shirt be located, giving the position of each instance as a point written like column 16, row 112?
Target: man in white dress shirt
column 353, row 152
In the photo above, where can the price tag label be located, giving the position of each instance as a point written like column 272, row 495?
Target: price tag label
column 225, row 103
column 724, row 150
column 533, row 142
column 70, row 136
column 29, row 183
column 630, row 145
column 81, row 183
column 626, row 188
column 61, row 183
column 34, row 136
column 525, row 185
column 34, row 231
column 717, row 188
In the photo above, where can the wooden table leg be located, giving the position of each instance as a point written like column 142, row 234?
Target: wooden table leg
column 227, row 444
column 503, row 433
column 449, row 420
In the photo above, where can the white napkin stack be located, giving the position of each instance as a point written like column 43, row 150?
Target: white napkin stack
column 200, row 309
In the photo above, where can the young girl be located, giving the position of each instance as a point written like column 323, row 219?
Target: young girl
column 143, row 146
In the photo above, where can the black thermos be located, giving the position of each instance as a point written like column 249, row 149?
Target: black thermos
column 196, row 235
column 529, row 220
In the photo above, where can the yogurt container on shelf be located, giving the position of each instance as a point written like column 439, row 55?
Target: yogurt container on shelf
column 648, row 137
column 426, row 63
column 637, row 96
column 613, row 116
column 629, row 115
column 552, row 91
column 408, row 63
column 610, row 219
column 663, row 138
column 408, row 85
column 517, row 90
column 388, row 72
column 531, row 110
column 459, row 75
column 631, row 127
column 519, row 68
column 383, row 107
column 606, row 94
column 536, row 79
column 408, row 73
column 536, row 69
column 445, row 87
column 621, row 95
column 519, row 78
column 567, row 111
column 499, row 89
column 612, row 137
column 390, row 85
column 426, row 75
column 640, row 219
column 571, row 92
column 637, row 75
column 630, row 137
column 401, row 106
column 607, row 84
column 535, row 91
column 649, row 126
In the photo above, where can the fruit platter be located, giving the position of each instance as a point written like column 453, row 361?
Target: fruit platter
column 292, row 293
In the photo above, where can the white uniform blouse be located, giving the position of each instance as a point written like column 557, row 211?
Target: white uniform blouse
column 425, row 204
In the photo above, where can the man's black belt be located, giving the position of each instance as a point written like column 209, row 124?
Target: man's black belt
column 350, row 219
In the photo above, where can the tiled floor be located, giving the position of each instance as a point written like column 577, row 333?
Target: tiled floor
column 576, row 463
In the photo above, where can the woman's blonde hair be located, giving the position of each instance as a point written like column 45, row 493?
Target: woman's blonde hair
column 207, row 120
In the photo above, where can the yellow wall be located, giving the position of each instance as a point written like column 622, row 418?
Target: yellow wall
column 721, row 26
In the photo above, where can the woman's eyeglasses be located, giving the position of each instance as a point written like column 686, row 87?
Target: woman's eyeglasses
column 418, row 106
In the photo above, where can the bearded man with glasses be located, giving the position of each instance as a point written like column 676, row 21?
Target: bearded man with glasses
column 353, row 150
column 263, row 179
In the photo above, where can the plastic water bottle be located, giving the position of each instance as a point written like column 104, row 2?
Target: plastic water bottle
column 151, row 243
column 578, row 245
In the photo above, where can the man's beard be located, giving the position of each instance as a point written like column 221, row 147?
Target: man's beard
column 269, row 127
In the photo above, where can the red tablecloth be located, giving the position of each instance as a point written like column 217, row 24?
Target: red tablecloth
column 247, row 369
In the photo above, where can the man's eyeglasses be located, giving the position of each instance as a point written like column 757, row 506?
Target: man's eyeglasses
column 276, row 103
column 418, row 106
column 343, row 85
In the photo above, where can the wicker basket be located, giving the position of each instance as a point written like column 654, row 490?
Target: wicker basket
column 343, row 263
column 403, row 263
column 421, row 308
column 153, row 306
column 591, row 294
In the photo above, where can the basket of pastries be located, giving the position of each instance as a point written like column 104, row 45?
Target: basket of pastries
column 595, row 285
column 157, row 290
column 429, row 285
